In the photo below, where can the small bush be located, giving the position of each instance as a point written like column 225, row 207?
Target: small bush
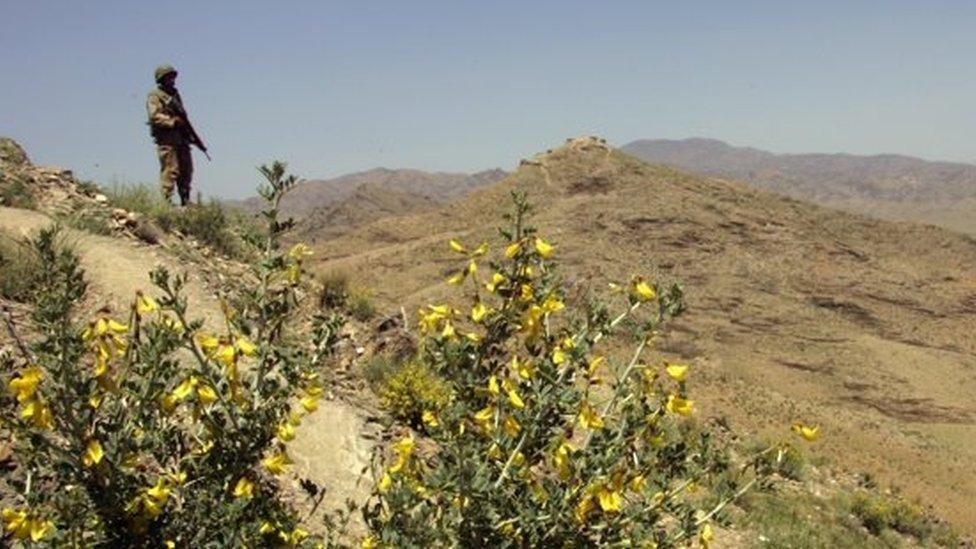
column 408, row 389
column 95, row 222
column 880, row 512
column 14, row 193
column 223, row 229
column 17, row 269
column 361, row 305
column 335, row 290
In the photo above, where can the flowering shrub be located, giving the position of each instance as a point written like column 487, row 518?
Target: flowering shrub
column 545, row 440
column 150, row 429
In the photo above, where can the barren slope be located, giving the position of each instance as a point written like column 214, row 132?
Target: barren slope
column 795, row 311
column 887, row 186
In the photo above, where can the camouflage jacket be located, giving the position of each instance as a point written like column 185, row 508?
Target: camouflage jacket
column 163, row 109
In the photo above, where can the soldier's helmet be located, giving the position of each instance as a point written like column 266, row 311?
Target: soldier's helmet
column 163, row 70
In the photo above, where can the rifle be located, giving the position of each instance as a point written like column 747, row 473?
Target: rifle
column 192, row 135
column 187, row 128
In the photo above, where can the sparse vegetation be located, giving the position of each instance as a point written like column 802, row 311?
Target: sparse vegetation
column 335, row 290
column 339, row 293
column 18, row 267
column 227, row 231
column 14, row 193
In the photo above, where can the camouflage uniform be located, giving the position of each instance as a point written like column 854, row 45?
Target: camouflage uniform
column 172, row 143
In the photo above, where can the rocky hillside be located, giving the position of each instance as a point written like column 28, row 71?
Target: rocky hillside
column 437, row 187
column 888, row 186
column 795, row 310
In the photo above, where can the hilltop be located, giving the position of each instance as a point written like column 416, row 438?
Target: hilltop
column 888, row 186
column 795, row 310
column 429, row 187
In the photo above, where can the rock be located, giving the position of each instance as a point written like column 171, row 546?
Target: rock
column 101, row 198
column 12, row 154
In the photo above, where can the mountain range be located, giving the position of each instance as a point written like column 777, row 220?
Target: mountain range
column 888, row 186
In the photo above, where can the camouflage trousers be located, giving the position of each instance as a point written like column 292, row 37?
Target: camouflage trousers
column 175, row 170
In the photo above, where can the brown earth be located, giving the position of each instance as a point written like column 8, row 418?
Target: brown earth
column 887, row 186
column 796, row 312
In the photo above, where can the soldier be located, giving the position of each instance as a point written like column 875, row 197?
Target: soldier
column 173, row 134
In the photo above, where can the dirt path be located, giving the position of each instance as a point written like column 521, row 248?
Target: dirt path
column 328, row 449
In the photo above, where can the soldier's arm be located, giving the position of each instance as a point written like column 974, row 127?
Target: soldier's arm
column 158, row 115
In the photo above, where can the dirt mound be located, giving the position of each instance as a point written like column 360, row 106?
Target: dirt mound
column 876, row 314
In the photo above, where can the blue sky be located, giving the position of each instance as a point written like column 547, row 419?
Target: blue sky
column 335, row 87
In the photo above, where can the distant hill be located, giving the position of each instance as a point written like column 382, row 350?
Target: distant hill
column 436, row 187
column 887, row 186
column 795, row 311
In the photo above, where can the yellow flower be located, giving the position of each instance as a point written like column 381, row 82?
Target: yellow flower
column 369, row 542
column 472, row 268
column 16, row 522
column 206, row 394
column 159, row 492
column 385, row 482
column 590, row 418
column 644, row 291
column 457, row 279
column 276, row 463
column 526, row 292
column 638, row 483
column 493, row 386
column 512, row 391
column 448, row 332
column 610, row 500
column 117, row 327
column 208, row 343
column 227, row 355
column 457, row 246
column 511, row 426
column 244, row 488
column 558, row 356
column 524, row 368
column 677, row 371
column 285, row 432
column 185, row 388
column 678, row 405
column 494, row 451
column 563, row 460
column 513, row 249
column 93, row 454
column 245, row 346
column 594, row 364
column 706, row 536
column 26, row 384
column 544, row 248
column 403, row 448
column 299, row 251
column 480, row 250
column 496, row 280
column 552, row 304
column 145, row 304
column 309, row 403
column 479, row 311
column 807, row 432
column 485, row 418
column 429, row 418
column 38, row 413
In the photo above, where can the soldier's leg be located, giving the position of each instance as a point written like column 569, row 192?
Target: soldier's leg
column 185, row 173
column 168, row 169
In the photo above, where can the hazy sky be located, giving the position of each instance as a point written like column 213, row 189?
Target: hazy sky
column 335, row 87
